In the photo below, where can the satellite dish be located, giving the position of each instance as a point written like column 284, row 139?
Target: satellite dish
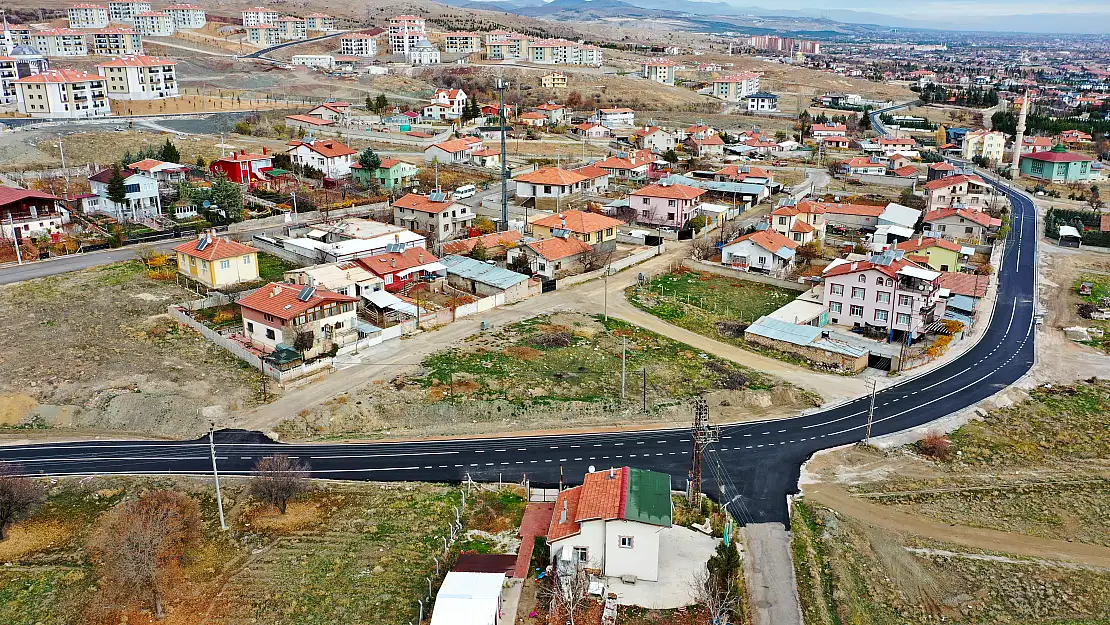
column 206, row 203
column 592, row 469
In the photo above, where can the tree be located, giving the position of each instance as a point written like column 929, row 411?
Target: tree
column 1094, row 199
column 595, row 259
column 228, row 196
column 117, row 188
column 369, row 161
column 805, row 125
column 381, row 103
column 720, row 600
column 141, row 545
column 201, row 163
column 484, row 225
column 567, row 593
column 277, row 479
column 865, row 120
column 670, row 156
column 911, row 199
column 809, row 252
column 169, row 152
column 303, row 340
column 479, row 251
column 19, row 497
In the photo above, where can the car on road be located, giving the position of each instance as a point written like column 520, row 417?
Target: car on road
column 465, row 191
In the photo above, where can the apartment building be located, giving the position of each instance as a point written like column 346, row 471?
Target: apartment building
column 291, row 28
column 58, row 42
column 126, row 10
column 63, row 93
column 140, row 78
column 186, row 16
column 887, row 293
column 563, row 52
column 114, row 41
column 264, row 34
column 255, row 16
column 405, row 31
column 462, row 43
column 658, row 70
column 21, row 64
column 154, row 24
column 960, row 191
column 358, row 44
column 88, row 16
column 319, row 21
column 735, row 87
column 984, row 143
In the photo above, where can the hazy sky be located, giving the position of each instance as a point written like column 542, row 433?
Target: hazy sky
column 938, row 9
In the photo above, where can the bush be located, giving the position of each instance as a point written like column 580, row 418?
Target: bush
column 937, row 446
column 1086, row 310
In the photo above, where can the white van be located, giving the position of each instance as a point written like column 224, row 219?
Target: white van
column 465, row 191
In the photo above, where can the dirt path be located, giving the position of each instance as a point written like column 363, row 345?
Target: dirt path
column 887, row 518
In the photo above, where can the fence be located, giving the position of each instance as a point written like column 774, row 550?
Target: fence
column 888, row 181
column 721, row 270
column 615, row 266
column 270, row 246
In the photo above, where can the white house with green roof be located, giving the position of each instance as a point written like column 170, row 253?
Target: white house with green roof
column 390, row 174
column 613, row 522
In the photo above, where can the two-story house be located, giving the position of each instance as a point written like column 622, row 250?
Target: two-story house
column 669, row 205
column 801, row 222
column 142, row 203
column 550, row 188
column 434, row 214
column 960, row 224
column 634, row 168
column 864, row 166
column 938, row 254
column 887, row 294
column 599, row 231
column 390, row 174
column 327, row 155
column 655, row 139
column 762, row 251
column 828, row 130
column 216, row 261
column 456, row 151
column 959, row 191
column 399, row 269
column 280, row 313
column 446, row 104
column 552, row 257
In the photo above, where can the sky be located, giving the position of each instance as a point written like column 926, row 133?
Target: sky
column 952, row 9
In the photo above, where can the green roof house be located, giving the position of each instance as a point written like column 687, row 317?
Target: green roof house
column 1057, row 165
column 391, row 174
column 613, row 522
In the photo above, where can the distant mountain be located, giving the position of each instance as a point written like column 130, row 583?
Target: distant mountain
column 584, row 9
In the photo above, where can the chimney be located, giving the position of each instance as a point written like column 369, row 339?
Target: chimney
column 275, row 291
column 612, row 472
column 397, row 238
column 420, row 257
column 265, row 150
column 392, row 262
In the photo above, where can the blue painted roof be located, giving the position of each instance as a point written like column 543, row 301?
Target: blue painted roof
column 962, row 302
column 482, row 272
column 809, row 336
column 964, row 319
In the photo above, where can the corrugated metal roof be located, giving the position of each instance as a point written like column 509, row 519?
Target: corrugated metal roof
column 962, row 302
column 482, row 272
column 808, row 336
column 649, row 497
column 712, row 185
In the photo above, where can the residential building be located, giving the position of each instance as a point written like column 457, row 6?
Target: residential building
column 940, row 170
column 836, row 143
column 800, row 222
column 27, row 213
column 828, row 130
column 186, row 16
column 163, row 172
column 452, row 151
column 88, row 16
column 359, row 44
column 255, row 16
column 126, row 10
column 242, row 167
column 63, row 93
column 810, row 342
column 496, row 244
column 58, row 42
column 762, row 251
column 960, row 191
column 762, row 102
column 1075, row 137
column 279, row 313
column 322, row 61
column 960, row 224
column 599, row 231
column 291, row 28
column 590, row 131
column 142, row 202
column 710, row 146
column 863, row 166
column 937, row 254
column 405, row 31
column 670, row 205
column 114, row 41
column 552, row 257
column 1057, row 165
column 25, row 61
column 331, row 111
column 139, row 77
column 154, row 24
column 446, row 104
column 887, row 294
column 655, row 139
column 549, row 188
column 390, row 174
column 1030, row 145
column 476, row 595
column 616, row 117
column 344, row 277
column 562, row 52
column 744, row 173
column 321, row 22
column 329, row 156
column 534, row 119
column 264, row 35
column 612, row 522
column 553, row 80
column 435, row 214
column 556, row 113
column 986, row 144
column 216, row 261
column 400, row 268
column 462, row 43
column 658, row 70
column 736, row 87
column 854, row 216
column 886, row 146
column 485, row 279
column 14, row 35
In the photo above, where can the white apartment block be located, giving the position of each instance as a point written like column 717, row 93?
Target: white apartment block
column 291, row 28
column 563, row 52
column 63, row 93
column 88, row 16
column 462, row 43
column 259, row 15
column 358, row 44
column 60, row 42
column 114, row 41
column 319, row 21
column 658, row 70
column 405, row 31
column 736, row 87
column 12, row 68
column 188, row 16
column 126, row 10
column 323, row 61
column 154, row 24
column 139, row 78
column 264, row 34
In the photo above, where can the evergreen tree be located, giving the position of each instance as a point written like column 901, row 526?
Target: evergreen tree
column 381, row 104
column 369, row 161
column 670, row 156
column 479, row 252
column 169, row 152
column 117, row 188
column 228, row 196
column 201, row 163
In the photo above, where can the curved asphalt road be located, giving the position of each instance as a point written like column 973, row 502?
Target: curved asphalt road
column 756, row 464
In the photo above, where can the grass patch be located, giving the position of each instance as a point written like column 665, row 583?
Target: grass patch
column 271, row 268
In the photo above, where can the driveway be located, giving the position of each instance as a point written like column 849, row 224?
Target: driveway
column 683, row 553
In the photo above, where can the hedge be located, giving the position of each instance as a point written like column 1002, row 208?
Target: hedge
column 1082, row 220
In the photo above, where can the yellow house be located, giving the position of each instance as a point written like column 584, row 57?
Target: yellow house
column 597, row 230
column 217, row 262
column 941, row 254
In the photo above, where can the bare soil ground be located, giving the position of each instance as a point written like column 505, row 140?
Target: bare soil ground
column 95, row 349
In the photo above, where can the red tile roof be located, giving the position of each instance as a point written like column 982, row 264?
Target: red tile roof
column 861, row 210
column 308, row 119
column 734, row 172
column 949, row 181
column 908, row 171
column 767, row 239
column 591, row 171
column 672, row 191
column 392, row 262
column 568, row 500
column 972, row 285
column 801, row 226
column 217, row 249
column 456, row 145
column 603, row 495
column 942, row 167
column 280, row 300
column 552, row 175
column 559, row 247
column 495, row 239
column 60, row 76
column 9, row 195
column 138, row 60
column 1048, row 156
column 890, row 270
column 422, row 203
column 977, row 217
column 921, row 243
column 579, row 222
column 327, row 148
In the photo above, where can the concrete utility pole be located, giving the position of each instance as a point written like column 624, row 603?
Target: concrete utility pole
column 504, row 159
column 1019, row 137
column 871, row 411
column 702, row 435
column 624, row 365
column 216, row 475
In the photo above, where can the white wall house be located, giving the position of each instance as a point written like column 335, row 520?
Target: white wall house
column 140, row 78
column 154, row 24
column 88, row 16
column 358, row 44
column 142, row 203
column 328, row 155
column 763, row 251
column 324, row 61
column 63, row 93
column 186, row 16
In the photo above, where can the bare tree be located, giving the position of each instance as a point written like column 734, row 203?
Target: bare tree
column 596, row 259
column 719, row 599
column 141, row 545
column 19, row 496
column 277, row 479
column 703, row 248
column 568, row 592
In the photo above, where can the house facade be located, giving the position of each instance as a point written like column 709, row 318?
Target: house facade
column 622, row 117
column 762, row 102
column 960, row 191
column 552, row 257
column 242, row 167
column 29, row 213
column 188, row 16
column 143, row 201
column 63, row 93
column 802, row 223
column 358, row 44
column 217, row 261
column 442, row 218
column 453, row 151
column 399, row 269
column 762, row 251
column 126, row 10
column 88, row 16
column 736, row 87
column 114, row 41
column 550, row 188
column 655, row 139
column 658, row 70
column 1057, row 165
column 937, row 254
column 154, row 24
column 327, row 155
column 599, row 231
column 140, row 77
column 959, row 224
column 278, row 313
column 669, row 205
column 887, row 293
column 990, row 145
column 390, row 174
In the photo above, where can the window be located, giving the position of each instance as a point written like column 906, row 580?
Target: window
column 586, row 237
column 762, row 260
column 670, row 216
column 859, row 292
column 581, row 555
column 905, row 300
column 647, row 201
column 250, row 327
column 225, row 264
column 855, row 311
column 268, row 317
column 547, row 188
column 883, row 297
column 881, row 315
column 968, row 230
column 835, row 307
column 193, row 261
column 246, row 260
column 862, row 278
column 270, row 333
column 903, row 319
column 672, row 203
column 625, row 542
column 608, row 232
column 837, row 289
column 879, row 281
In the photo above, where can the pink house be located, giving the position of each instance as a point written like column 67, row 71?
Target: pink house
column 888, row 294
column 665, row 204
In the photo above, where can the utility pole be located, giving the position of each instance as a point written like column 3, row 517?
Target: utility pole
column 605, row 297
column 16, row 240
column 702, row 435
column 624, row 365
column 216, row 475
column 645, row 389
column 870, row 411
column 504, row 158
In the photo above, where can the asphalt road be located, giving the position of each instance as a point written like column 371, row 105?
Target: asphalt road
column 75, row 262
column 753, row 467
